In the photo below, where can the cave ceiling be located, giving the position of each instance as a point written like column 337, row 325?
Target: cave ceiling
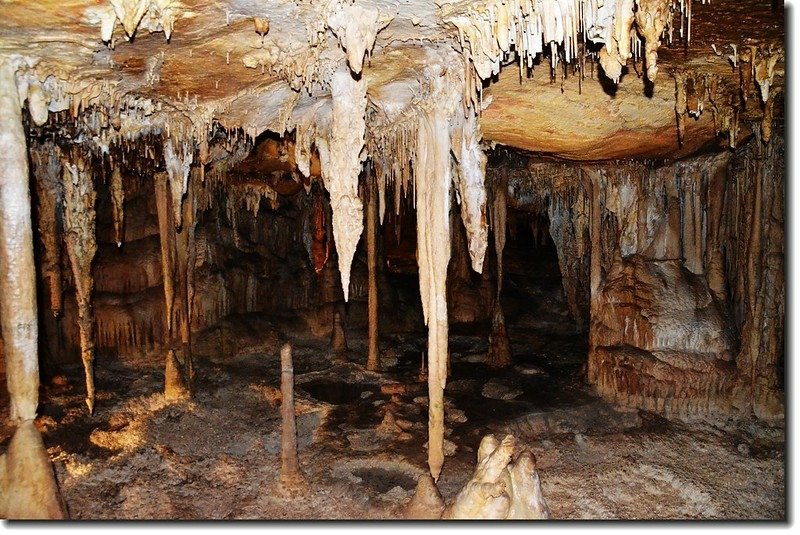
column 132, row 67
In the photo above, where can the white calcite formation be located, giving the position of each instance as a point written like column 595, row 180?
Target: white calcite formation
column 505, row 485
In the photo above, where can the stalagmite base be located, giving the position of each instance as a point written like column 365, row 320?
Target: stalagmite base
column 292, row 481
column 174, row 385
column 28, row 487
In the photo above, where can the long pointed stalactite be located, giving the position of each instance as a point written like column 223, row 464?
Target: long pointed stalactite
column 79, row 227
column 432, row 190
column 28, row 489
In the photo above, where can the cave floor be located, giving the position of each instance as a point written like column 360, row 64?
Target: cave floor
column 217, row 456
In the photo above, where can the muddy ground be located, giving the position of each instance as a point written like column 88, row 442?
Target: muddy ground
column 217, row 456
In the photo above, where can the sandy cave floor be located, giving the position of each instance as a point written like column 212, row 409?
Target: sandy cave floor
column 217, row 456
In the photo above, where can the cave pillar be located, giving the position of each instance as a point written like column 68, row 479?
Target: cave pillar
column 373, row 356
column 28, row 487
column 171, row 258
column 17, row 269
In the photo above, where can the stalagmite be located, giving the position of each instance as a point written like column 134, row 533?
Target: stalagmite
column 373, row 356
column 499, row 348
column 79, row 222
column 292, row 480
column 505, row 485
column 338, row 338
column 427, row 502
column 117, row 204
column 340, row 159
column 28, row 487
column 174, row 385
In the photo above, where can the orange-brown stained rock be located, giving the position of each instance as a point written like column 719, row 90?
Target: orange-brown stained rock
column 537, row 116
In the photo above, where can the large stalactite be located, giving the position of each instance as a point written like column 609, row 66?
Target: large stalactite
column 79, row 230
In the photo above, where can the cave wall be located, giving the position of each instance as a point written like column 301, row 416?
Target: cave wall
column 679, row 268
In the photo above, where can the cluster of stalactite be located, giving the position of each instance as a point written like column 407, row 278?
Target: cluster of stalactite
column 735, row 99
column 493, row 32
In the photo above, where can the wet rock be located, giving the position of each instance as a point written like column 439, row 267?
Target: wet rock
column 461, row 386
column 475, row 358
column 529, row 369
column 497, row 390
column 455, row 416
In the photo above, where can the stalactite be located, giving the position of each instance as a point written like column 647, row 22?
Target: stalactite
column 432, row 190
column 373, row 355
column 79, row 226
column 470, row 180
column 190, row 225
column 356, row 27
column 292, row 479
column 178, row 167
column 340, row 159
column 652, row 16
column 117, row 204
